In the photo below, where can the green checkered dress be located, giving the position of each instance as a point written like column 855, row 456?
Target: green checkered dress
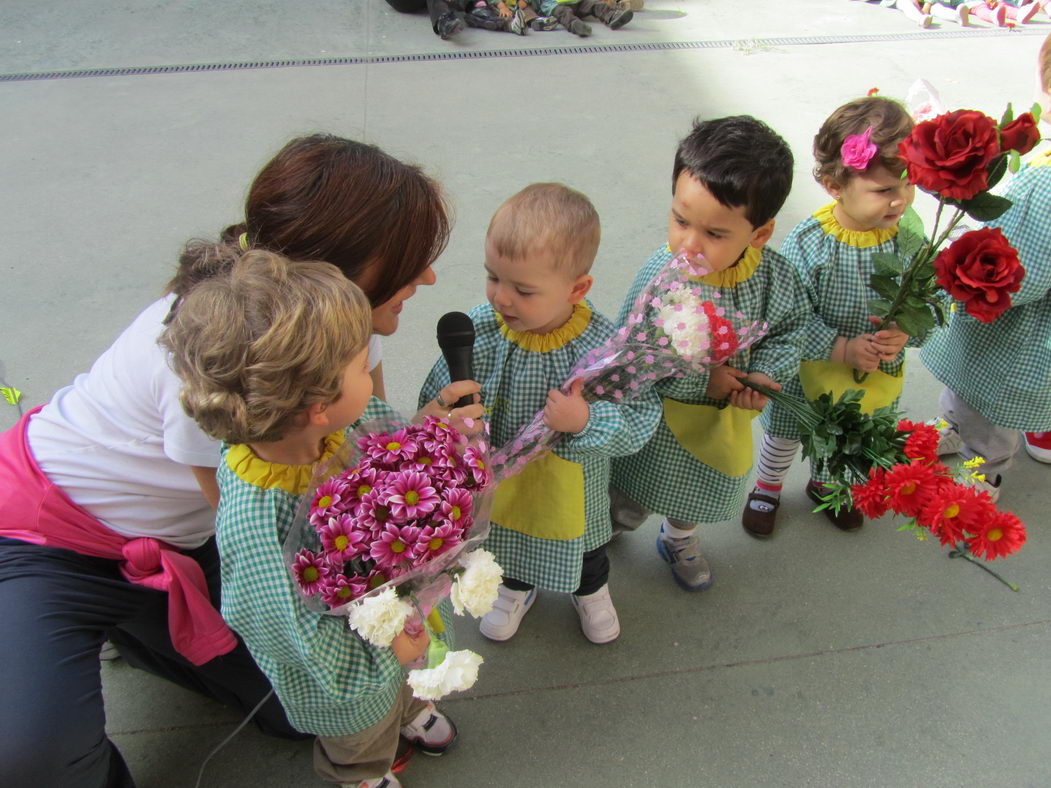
column 515, row 382
column 1003, row 369
column 329, row 681
column 666, row 478
column 835, row 266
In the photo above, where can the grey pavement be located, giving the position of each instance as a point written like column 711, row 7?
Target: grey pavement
column 817, row 658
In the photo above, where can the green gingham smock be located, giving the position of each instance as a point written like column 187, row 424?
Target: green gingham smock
column 664, row 477
column 835, row 265
column 330, row 681
column 516, row 371
column 1003, row 369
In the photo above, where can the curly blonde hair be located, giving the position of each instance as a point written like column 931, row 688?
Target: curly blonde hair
column 258, row 343
column 547, row 217
column 890, row 122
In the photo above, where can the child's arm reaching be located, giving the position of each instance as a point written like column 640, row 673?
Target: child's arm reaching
column 613, row 430
column 567, row 412
column 748, row 398
column 723, row 382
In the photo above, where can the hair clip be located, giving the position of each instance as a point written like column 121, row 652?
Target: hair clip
column 242, row 241
column 857, row 150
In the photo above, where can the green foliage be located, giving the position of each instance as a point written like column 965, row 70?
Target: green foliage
column 1008, row 116
column 1014, row 162
column 997, row 170
column 1036, row 110
column 887, row 263
column 984, row 207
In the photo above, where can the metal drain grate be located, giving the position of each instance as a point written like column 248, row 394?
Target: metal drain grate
column 484, row 54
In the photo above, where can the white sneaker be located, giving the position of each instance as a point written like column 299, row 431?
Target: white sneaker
column 386, row 781
column 598, row 617
column 431, row 732
column 949, row 441
column 987, row 486
column 510, row 608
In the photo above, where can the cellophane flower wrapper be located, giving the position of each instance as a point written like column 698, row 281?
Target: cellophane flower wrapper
column 676, row 327
column 388, row 519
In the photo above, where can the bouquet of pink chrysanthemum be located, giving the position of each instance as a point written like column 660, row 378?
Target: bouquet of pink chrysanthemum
column 384, row 531
column 676, row 327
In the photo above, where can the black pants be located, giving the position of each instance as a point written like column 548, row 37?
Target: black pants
column 594, row 573
column 58, row 607
column 436, row 8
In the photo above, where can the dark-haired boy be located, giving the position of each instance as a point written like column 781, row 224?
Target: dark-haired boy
column 731, row 177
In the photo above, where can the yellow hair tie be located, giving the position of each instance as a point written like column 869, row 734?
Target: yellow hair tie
column 242, row 241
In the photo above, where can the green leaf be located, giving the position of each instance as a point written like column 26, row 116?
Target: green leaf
column 11, row 395
column 884, row 285
column 997, row 170
column 1014, row 161
column 985, row 207
column 911, row 234
column 886, row 263
column 879, row 307
column 1036, row 109
column 1009, row 115
column 915, row 322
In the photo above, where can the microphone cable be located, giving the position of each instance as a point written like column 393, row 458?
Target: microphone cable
column 224, row 742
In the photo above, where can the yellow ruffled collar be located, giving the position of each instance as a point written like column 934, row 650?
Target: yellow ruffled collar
column 1041, row 159
column 859, row 239
column 745, row 266
column 294, row 479
column 553, row 340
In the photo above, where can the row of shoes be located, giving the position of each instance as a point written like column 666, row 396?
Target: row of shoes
column 429, row 732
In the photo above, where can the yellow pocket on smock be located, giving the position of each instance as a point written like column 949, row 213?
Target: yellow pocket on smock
column 820, row 377
column 718, row 437
column 546, row 500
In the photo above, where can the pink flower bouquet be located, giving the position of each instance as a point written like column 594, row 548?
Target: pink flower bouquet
column 394, row 508
column 676, row 327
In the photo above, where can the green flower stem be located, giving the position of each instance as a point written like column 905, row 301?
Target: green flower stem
column 799, row 408
column 961, row 551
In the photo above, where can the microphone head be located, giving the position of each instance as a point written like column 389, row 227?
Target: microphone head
column 455, row 330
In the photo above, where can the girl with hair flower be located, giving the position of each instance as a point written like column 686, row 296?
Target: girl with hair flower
column 856, row 161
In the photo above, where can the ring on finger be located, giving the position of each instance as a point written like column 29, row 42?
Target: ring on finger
column 441, row 402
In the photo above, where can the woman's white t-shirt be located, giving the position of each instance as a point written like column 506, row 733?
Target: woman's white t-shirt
column 120, row 445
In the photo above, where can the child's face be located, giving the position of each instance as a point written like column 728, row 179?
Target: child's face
column 532, row 294
column 354, row 395
column 871, row 200
column 701, row 225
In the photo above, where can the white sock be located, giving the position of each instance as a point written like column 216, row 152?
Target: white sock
column 672, row 532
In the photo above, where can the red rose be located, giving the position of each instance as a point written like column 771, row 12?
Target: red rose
column 1021, row 134
column 980, row 269
column 949, row 155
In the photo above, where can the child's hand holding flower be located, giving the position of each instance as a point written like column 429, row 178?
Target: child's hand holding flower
column 749, row 398
column 889, row 341
column 567, row 412
column 723, row 381
column 409, row 648
column 858, row 352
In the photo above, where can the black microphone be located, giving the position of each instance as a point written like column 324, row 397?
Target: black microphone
column 456, row 339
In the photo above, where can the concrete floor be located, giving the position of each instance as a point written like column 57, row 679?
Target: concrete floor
column 817, row 658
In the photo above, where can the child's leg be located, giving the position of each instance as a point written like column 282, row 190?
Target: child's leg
column 959, row 14
column 598, row 617
column 914, row 10
column 775, row 458
column 1020, row 15
column 980, row 437
column 995, row 15
column 613, row 16
column 677, row 544
column 514, row 598
column 624, row 512
column 567, row 16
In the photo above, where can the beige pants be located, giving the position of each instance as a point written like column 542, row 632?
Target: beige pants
column 366, row 755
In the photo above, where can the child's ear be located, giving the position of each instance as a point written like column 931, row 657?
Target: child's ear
column 833, row 188
column 762, row 234
column 581, row 287
column 317, row 414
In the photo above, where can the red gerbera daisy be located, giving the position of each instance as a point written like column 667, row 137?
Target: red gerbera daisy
column 953, row 510
column 997, row 536
column 909, row 486
column 922, row 444
column 870, row 498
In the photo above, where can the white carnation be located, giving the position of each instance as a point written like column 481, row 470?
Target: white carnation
column 476, row 589
column 379, row 618
column 456, row 673
column 686, row 324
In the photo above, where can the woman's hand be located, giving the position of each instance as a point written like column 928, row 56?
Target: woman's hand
column 567, row 412
column 467, row 419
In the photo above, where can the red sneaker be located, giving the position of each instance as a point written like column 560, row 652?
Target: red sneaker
column 1038, row 445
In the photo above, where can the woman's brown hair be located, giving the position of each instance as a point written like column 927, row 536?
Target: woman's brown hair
column 328, row 198
column 890, row 123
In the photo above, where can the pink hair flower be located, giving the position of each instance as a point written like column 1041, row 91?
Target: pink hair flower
column 343, row 539
column 858, row 149
column 310, row 571
column 411, row 495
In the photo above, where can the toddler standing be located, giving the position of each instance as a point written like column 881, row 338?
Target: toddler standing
column 856, row 161
column 279, row 381
column 551, row 521
column 730, row 179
